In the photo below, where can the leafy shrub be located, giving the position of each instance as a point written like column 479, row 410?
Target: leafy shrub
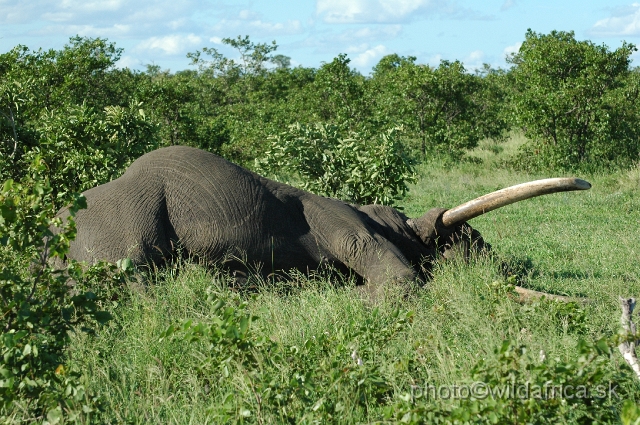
column 337, row 94
column 515, row 388
column 342, row 374
column 75, row 111
column 316, row 380
column 84, row 148
column 446, row 109
column 360, row 167
column 38, row 310
column 576, row 101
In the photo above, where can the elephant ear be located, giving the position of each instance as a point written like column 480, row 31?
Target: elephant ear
column 394, row 226
column 429, row 226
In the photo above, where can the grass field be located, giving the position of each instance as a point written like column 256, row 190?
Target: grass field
column 312, row 351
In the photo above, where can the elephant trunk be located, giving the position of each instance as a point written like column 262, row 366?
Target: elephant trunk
column 509, row 195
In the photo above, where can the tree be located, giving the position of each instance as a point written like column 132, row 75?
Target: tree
column 281, row 61
column 253, row 58
column 74, row 110
column 490, row 103
column 244, row 100
column 38, row 312
column 436, row 104
column 572, row 99
column 357, row 167
column 337, row 94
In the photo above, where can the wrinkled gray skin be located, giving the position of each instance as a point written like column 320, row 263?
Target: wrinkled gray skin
column 184, row 197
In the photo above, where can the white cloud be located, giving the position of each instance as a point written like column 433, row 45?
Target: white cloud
column 474, row 60
column 128, row 62
column 356, row 48
column 625, row 21
column 290, row 27
column 250, row 22
column 176, row 24
column 158, row 12
column 358, row 39
column 475, row 56
column 143, row 15
column 435, row 60
column 92, row 6
column 16, row 12
column 258, row 27
column 381, row 11
column 512, row 50
column 58, row 16
column 117, row 30
column 368, row 57
column 350, row 11
column 170, row 44
column 508, row 4
column 216, row 40
column 370, row 33
column 247, row 14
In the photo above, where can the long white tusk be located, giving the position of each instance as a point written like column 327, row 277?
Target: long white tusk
column 509, row 195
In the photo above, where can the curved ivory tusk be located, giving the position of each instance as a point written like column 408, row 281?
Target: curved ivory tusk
column 509, row 195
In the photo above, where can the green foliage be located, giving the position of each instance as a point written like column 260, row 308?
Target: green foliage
column 186, row 109
column 360, row 167
column 343, row 372
column 235, row 104
column 576, row 101
column 337, row 94
column 253, row 58
column 72, row 109
column 630, row 414
column 227, row 340
column 439, row 106
column 491, row 108
column 323, row 374
column 83, row 149
column 38, row 309
column 514, row 388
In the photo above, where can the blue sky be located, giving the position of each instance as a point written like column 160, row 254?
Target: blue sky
column 315, row 31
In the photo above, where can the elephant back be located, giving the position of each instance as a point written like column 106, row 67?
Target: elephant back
column 213, row 205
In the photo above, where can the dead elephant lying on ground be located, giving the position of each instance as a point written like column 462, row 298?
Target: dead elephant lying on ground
column 184, row 197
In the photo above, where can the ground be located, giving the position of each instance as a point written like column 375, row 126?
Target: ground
column 299, row 361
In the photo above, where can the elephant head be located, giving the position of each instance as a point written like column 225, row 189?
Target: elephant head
column 445, row 224
column 445, row 232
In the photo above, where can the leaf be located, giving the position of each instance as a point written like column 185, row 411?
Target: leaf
column 54, row 416
column 102, row 317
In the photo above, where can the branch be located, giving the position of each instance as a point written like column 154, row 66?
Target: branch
column 628, row 348
column 529, row 294
column 12, row 121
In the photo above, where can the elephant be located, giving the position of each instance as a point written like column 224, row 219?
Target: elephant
column 180, row 198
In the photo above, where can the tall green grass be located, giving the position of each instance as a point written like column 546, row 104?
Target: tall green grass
column 301, row 349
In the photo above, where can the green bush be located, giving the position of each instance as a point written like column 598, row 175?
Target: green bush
column 38, row 308
column 360, row 167
column 446, row 109
column 83, row 148
column 515, row 387
column 321, row 376
column 577, row 102
column 340, row 374
column 75, row 111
